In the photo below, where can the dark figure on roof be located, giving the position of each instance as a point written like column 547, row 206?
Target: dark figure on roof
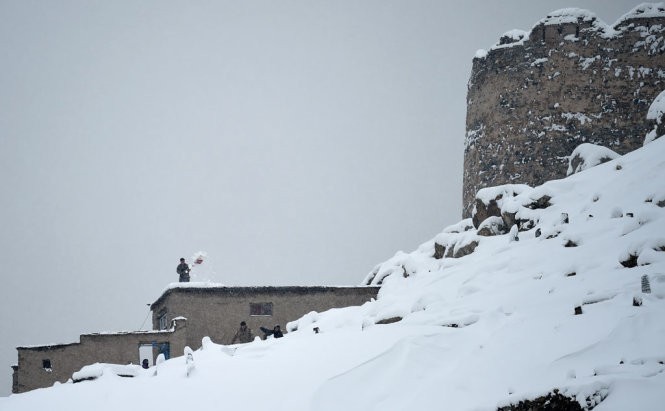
column 183, row 271
column 275, row 332
column 243, row 335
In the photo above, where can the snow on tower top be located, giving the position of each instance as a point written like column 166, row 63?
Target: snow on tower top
column 644, row 10
column 573, row 15
column 567, row 15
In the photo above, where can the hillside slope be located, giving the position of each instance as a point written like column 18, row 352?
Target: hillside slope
column 477, row 332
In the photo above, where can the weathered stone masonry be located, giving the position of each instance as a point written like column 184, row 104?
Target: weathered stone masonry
column 572, row 79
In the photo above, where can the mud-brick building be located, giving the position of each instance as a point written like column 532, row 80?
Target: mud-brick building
column 217, row 311
column 42, row 366
column 182, row 316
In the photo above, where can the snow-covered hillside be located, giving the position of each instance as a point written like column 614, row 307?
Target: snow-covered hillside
column 575, row 302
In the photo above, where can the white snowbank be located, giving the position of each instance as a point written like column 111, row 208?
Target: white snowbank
column 90, row 372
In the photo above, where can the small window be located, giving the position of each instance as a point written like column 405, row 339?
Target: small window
column 260, row 308
column 46, row 364
column 163, row 322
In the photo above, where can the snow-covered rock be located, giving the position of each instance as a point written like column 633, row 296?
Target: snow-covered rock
column 588, row 155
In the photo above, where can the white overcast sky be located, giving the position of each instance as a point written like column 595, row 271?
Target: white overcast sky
column 296, row 142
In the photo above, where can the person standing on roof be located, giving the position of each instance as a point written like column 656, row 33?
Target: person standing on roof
column 183, row 271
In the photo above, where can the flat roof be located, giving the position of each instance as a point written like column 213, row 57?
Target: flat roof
column 215, row 288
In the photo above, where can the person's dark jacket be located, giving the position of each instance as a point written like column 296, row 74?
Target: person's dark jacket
column 243, row 335
column 183, row 272
column 277, row 333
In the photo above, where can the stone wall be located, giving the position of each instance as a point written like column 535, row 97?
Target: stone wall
column 217, row 312
column 66, row 359
column 572, row 79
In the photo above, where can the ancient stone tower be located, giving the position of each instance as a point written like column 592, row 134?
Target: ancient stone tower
column 572, row 79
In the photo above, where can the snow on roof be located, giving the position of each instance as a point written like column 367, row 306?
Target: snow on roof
column 51, row 346
column 218, row 287
column 211, row 285
column 44, row 346
column 126, row 332
column 194, row 284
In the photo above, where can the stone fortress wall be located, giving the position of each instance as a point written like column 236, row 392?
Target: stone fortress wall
column 535, row 96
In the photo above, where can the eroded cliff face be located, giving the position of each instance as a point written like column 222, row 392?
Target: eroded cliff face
column 572, row 79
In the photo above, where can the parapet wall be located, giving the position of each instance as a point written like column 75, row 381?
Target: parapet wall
column 572, row 79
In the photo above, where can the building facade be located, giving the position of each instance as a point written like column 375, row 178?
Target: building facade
column 217, row 312
column 42, row 366
column 182, row 316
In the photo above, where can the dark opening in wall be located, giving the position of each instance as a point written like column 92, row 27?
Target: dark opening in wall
column 260, row 308
column 46, row 364
column 165, row 348
column 163, row 320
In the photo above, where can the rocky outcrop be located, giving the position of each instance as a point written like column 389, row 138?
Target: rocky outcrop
column 558, row 401
column 572, row 79
column 465, row 249
column 550, row 402
column 456, row 241
column 492, row 226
